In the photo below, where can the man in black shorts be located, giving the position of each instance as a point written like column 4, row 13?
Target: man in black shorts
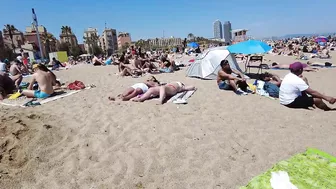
column 294, row 91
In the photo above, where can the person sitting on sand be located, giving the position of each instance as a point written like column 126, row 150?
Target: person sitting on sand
column 97, row 61
column 7, row 85
column 16, row 73
column 137, row 89
column 294, row 90
column 306, row 67
column 164, row 92
column 45, row 81
column 56, row 64
column 226, row 81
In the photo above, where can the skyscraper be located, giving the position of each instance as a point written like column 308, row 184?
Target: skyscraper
column 218, row 31
column 227, row 33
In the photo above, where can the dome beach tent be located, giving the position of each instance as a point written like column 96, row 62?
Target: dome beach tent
column 207, row 64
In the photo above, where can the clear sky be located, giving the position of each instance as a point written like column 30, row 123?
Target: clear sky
column 149, row 18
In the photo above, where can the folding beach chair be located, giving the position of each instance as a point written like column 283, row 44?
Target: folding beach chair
column 254, row 62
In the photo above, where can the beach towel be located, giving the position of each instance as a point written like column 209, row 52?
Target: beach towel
column 28, row 102
column 312, row 169
column 76, row 85
column 181, row 98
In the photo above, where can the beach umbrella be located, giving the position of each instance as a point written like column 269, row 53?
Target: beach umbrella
column 321, row 39
column 250, row 47
column 193, row 45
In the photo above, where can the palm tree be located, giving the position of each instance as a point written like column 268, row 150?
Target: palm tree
column 66, row 31
column 191, row 36
column 48, row 39
column 10, row 29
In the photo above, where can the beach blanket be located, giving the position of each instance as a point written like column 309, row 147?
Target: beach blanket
column 25, row 102
column 312, row 169
column 181, row 98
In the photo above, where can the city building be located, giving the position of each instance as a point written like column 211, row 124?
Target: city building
column 227, row 33
column 218, row 30
column 82, row 47
column 165, row 42
column 123, row 38
column 2, row 45
column 108, row 41
column 18, row 38
column 91, row 38
column 48, row 41
column 239, row 35
column 68, row 37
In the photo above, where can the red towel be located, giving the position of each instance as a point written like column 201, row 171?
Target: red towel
column 76, row 85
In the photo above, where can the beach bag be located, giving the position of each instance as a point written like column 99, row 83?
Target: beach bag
column 272, row 89
column 76, row 85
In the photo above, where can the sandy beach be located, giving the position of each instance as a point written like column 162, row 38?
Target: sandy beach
column 218, row 140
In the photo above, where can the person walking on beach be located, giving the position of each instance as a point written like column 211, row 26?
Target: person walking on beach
column 294, row 91
column 226, row 81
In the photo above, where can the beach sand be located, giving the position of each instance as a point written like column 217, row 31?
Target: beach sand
column 218, row 140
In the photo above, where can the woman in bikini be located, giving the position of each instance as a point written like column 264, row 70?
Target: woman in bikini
column 164, row 91
column 137, row 89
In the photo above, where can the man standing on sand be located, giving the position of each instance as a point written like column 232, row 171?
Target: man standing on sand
column 226, row 81
column 45, row 81
column 294, row 90
column 16, row 73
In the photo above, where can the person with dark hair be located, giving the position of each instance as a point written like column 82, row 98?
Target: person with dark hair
column 15, row 72
column 294, row 91
column 227, row 81
column 56, row 64
column 6, row 85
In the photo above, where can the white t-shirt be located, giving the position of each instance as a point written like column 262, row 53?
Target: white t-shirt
column 2, row 67
column 291, row 87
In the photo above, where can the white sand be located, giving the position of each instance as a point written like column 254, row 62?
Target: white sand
column 219, row 140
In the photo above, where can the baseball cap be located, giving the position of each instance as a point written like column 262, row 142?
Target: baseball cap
column 296, row 66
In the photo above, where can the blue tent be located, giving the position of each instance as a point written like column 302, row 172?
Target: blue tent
column 250, row 47
column 193, row 45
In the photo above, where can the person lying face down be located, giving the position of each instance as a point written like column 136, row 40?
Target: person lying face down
column 164, row 92
column 137, row 89
column 306, row 67
column 294, row 90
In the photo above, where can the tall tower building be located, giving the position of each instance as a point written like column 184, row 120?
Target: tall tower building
column 218, row 31
column 227, row 33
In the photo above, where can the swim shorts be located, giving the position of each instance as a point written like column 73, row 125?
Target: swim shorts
column 40, row 94
column 141, row 86
column 224, row 86
column 303, row 101
column 166, row 70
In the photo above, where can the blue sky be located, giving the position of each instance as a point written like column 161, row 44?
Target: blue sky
column 149, row 18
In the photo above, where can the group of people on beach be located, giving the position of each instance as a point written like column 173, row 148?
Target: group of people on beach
column 135, row 63
column 293, row 91
column 42, row 85
column 152, row 88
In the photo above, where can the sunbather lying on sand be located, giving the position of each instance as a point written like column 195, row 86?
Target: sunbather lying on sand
column 97, row 61
column 164, row 92
column 45, row 81
column 306, row 67
column 137, row 89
